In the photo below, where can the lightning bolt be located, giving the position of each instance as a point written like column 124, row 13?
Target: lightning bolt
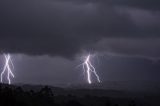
column 7, row 68
column 88, row 68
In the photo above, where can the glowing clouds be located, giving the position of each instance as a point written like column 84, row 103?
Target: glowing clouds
column 88, row 69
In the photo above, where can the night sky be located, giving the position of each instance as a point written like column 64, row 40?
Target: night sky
column 48, row 39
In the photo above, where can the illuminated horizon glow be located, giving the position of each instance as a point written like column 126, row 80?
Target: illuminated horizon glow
column 7, row 68
column 88, row 68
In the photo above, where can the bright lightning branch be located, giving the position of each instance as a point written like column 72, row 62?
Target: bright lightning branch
column 89, row 69
column 7, row 68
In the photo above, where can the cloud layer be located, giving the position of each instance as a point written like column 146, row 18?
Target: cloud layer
column 64, row 28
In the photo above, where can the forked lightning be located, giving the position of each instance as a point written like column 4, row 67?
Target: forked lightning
column 7, row 68
column 89, row 69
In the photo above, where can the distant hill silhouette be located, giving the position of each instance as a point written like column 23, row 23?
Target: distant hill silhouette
column 30, row 95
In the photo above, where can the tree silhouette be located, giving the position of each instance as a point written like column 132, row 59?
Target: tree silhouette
column 73, row 103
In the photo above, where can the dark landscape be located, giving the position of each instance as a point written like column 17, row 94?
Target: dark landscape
column 38, row 95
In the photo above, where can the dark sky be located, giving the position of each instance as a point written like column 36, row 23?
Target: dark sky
column 48, row 38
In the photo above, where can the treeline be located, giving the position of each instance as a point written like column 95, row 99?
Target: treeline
column 16, row 96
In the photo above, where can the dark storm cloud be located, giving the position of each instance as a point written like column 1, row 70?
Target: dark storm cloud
column 64, row 28
column 142, row 4
column 125, row 47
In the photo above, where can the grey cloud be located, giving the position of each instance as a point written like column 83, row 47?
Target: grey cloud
column 141, row 4
column 63, row 28
column 126, row 47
